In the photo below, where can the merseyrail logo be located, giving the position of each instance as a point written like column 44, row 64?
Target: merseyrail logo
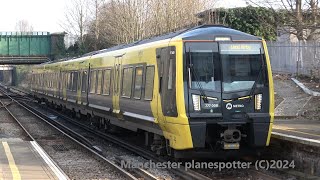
column 229, row 106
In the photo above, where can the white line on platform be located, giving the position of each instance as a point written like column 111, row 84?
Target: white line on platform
column 46, row 158
column 312, row 142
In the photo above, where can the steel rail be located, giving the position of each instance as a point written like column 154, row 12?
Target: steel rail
column 84, row 145
column 181, row 172
column 190, row 174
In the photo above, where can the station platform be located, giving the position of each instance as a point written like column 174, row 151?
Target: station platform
column 299, row 131
column 26, row 160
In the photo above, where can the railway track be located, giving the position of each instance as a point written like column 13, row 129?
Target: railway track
column 62, row 126
column 81, row 132
column 8, row 99
column 64, row 123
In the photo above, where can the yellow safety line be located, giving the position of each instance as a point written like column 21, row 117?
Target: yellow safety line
column 14, row 169
column 284, row 128
column 1, row 174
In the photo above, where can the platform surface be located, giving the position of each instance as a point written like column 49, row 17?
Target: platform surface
column 26, row 160
column 302, row 131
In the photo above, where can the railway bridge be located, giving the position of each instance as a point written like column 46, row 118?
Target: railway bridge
column 23, row 48
column 29, row 47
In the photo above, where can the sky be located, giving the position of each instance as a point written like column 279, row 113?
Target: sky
column 43, row 15
column 47, row 15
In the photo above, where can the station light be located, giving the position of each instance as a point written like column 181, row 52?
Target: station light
column 196, row 102
column 258, row 101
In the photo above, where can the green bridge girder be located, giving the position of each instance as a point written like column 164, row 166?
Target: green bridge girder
column 29, row 47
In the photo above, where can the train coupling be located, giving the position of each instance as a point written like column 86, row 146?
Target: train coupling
column 231, row 138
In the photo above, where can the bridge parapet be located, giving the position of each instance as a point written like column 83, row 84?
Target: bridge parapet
column 29, row 47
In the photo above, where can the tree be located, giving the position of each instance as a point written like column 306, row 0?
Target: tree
column 258, row 21
column 133, row 20
column 301, row 17
column 23, row 26
column 102, row 24
column 95, row 24
column 76, row 21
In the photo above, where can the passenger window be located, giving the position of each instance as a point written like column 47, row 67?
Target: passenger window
column 149, row 83
column 84, row 81
column 66, row 80
column 170, row 76
column 70, row 81
column 79, row 79
column 99, row 82
column 57, row 80
column 75, row 81
column 106, row 83
column 138, row 83
column 127, row 82
column 93, row 82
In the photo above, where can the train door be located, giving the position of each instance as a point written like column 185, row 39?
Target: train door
column 116, row 85
column 166, row 60
column 59, row 84
column 84, row 85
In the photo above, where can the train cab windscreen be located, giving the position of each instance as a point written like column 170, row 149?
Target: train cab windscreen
column 241, row 66
column 204, row 66
column 224, row 67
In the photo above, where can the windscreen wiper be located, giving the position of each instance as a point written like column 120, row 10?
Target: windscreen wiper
column 261, row 70
column 202, row 93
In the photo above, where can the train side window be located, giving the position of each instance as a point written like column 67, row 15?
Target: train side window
column 67, row 80
column 57, row 81
column 66, row 75
column 79, row 79
column 106, row 82
column 63, row 83
column 127, row 82
column 84, row 81
column 170, row 76
column 93, row 82
column 75, row 81
column 60, row 81
column 99, row 77
column 70, row 81
column 149, row 83
column 53, row 80
column 46, row 79
column 138, row 83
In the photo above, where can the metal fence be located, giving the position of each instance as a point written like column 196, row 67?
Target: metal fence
column 301, row 58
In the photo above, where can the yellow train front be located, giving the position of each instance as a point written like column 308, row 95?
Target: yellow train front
column 202, row 91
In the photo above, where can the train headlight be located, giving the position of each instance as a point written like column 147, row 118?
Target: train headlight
column 258, row 101
column 196, row 102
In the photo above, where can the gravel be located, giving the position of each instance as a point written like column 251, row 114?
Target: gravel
column 74, row 160
column 9, row 129
column 110, row 150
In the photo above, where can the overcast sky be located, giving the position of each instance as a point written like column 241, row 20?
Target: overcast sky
column 46, row 15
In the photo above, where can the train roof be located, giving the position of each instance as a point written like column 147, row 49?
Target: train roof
column 204, row 32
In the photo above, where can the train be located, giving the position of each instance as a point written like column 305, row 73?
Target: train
column 203, row 91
